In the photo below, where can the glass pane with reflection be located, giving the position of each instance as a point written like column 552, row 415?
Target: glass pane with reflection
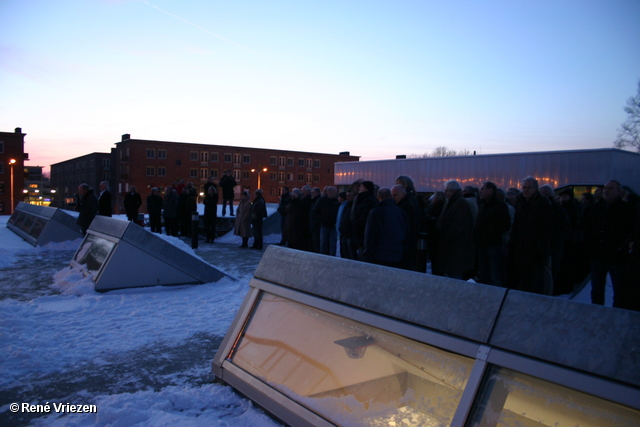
column 348, row 372
column 510, row 398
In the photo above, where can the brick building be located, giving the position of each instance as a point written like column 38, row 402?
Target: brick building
column 147, row 164
column 12, row 158
column 68, row 175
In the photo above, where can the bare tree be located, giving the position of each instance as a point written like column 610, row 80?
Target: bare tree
column 442, row 151
column 629, row 132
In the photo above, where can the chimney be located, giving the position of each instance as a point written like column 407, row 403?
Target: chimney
column 345, row 153
column 18, row 130
column 401, row 156
column 126, row 136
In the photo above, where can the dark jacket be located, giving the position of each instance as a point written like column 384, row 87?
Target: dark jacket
column 210, row 207
column 104, row 204
column 385, row 233
column 227, row 183
column 87, row 206
column 493, row 221
column 258, row 209
column 132, row 202
column 327, row 209
column 171, row 205
column 456, row 251
column 284, row 201
column 297, row 225
column 362, row 204
column 154, row 204
column 531, row 232
column 608, row 228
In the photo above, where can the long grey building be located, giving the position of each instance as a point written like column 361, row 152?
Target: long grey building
column 581, row 169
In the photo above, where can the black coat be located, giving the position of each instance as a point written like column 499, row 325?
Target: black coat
column 362, row 204
column 493, row 221
column 87, row 206
column 297, row 225
column 327, row 209
column 531, row 232
column 132, row 202
column 104, row 204
column 154, row 204
column 227, row 183
column 608, row 228
column 385, row 233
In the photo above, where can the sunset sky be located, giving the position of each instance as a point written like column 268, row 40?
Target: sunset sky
column 376, row 78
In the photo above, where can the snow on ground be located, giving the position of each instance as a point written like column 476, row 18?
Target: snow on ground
column 142, row 356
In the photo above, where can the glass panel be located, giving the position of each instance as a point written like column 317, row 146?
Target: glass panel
column 510, row 398
column 348, row 372
column 37, row 228
column 28, row 222
column 93, row 253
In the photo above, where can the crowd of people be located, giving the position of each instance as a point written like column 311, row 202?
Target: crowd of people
column 525, row 238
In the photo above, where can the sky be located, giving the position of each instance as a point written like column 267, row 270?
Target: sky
column 375, row 78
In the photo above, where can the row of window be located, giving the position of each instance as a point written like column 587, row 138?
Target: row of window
column 238, row 175
column 205, row 157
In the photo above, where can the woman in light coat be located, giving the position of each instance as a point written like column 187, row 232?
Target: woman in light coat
column 242, row 226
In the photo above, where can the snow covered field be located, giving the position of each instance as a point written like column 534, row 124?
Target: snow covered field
column 142, row 356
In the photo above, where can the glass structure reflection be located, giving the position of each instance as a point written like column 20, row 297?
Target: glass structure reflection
column 348, row 372
column 510, row 398
column 92, row 254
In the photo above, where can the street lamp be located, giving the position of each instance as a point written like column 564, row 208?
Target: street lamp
column 11, row 163
column 259, row 172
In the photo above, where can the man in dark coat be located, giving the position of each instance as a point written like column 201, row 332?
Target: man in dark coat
column 104, row 200
column 132, row 202
column 455, row 234
column 609, row 227
column 493, row 221
column 410, row 206
column 385, row 232
column 210, row 212
column 327, row 207
column 258, row 214
column 170, row 212
column 314, row 221
column 154, row 209
column 297, row 227
column 529, row 249
column 285, row 198
column 87, row 206
column 227, row 184
column 362, row 204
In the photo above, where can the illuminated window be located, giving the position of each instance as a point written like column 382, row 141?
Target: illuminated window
column 509, row 398
column 348, row 372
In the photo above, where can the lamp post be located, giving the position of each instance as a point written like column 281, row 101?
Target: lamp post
column 11, row 163
column 259, row 173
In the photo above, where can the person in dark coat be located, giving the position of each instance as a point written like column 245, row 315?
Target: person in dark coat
column 560, row 231
column 455, row 234
column 327, row 210
column 190, row 206
column 227, row 184
column 411, row 207
column 362, row 204
column 170, row 212
column 154, row 209
column 285, row 198
column 210, row 213
column 314, row 221
column 104, row 200
column 385, row 234
column 432, row 212
column 258, row 214
column 242, row 226
column 492, row 223
column 87, row 206
column 609, row 227
column 132, row 202
column 529, row 245
column 297, row 227
column 306, row 204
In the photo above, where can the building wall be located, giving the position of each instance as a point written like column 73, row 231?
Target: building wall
column 147, row 164
column 68, row 175
column 11, row 147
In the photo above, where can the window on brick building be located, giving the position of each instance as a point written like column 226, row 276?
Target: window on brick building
column 316, row 178
column 300, row 177
column 282, row 161
column 162, row 154
column 227, row 157
column 236, row 174
column 245, row 174
column 214, row 157
column 151, row 153
column 289, row 161
column 301, row 163
column 316, row 163
column 273, row 160
column 151, row 171
column 162, row 171
column 214, row 173
column 204, row 173
column 194, row 156
column 236, row 159
column 204, row 157
column 193, row 173
column 273, row 176
column 281, row 176
column 246, row 158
